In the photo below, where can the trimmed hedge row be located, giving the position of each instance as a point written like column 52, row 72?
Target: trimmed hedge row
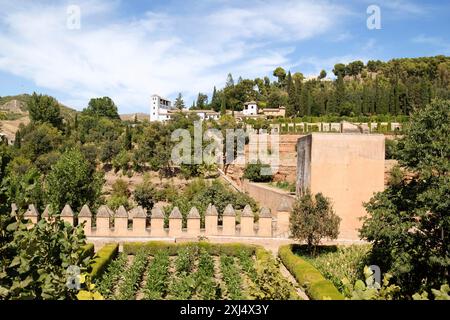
column 316, row 286
column 103, row 258
column 152, row 247
column 88, row 251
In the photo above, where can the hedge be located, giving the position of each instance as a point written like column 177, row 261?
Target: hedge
column 88, row 251
column 103, row 257
column 153, row 247
column 316, row 286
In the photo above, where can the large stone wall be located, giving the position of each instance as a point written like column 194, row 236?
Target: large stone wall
column 347, row 168
column 136, row 223
column 267, row 196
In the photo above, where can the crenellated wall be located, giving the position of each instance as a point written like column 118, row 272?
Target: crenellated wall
column 136, row 223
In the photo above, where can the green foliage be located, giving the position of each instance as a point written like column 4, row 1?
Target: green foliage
column 39, row 139
column 35, row 259
column 43, row 108
column 390, row 148
column 144, row 193
column 316, row 286
column 408, row 223
column 268, row 283
column 121, row 161
column 312, row 219
column 157, row 276
column 112, row 275
column 441, row 294
column 337, row 263
column 201, row 193
column 370, row 289
column 231, row 277
column 132, row 276
column 102, row 107
column 258, row 172
column 24, row 188
column 152, row 247
column 103, row 258
column 207, row 288
column 72, row 181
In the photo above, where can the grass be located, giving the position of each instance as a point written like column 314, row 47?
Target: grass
column 338, row 262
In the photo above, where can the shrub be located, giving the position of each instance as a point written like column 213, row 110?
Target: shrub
column 258, row 172
column 313, row 219
column 316, row 286
column 102, row 259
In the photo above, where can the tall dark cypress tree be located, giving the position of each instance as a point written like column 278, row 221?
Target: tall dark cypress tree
column 292, row 97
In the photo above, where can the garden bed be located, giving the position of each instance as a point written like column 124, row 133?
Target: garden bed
column 194, row 271
column 337, row 262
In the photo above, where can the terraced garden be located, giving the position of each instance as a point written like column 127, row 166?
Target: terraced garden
column 199, row 271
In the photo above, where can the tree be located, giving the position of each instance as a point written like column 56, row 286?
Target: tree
column 408, row 223
column 223, row 106
column 39, row 139
column 145, row 194
column 102, row 107
column 179, row 102
column 322, row 75
column 230, row 81
column 215, row 101
column 313, row 219
column 293, row 99
column 128, row 139
column 202, row 101
column 43, row 108
column 258, row 172
column 280, row 73
column 339, row 70
column 72, row 181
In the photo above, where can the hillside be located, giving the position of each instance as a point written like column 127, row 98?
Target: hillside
column 13, row 113
column 130, row 116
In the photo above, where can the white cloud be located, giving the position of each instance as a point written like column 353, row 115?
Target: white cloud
column 130, row 58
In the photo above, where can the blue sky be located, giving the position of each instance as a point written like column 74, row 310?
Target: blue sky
column 129, row 50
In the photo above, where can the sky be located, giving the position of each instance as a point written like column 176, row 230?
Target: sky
column 128, row 50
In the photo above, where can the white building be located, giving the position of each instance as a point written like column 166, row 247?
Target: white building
column 250, row 109
column 159, row 110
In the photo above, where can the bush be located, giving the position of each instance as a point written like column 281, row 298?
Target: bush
column 316, row 286
column 103, row 258
column 312, row 219
column 88, row 251
column 258, row 172
column 152, row 247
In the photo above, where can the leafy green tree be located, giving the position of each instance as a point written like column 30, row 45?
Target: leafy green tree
column 145, row 194
column 258, row 172
column 280, row 73
column 202, row 101
column 39, row 139
column 408, row 223
column 179, row 102
column 128, row 139
column 36, row 262
column 43, row 108
column 312, row 219
column 72, row 181
column 215, row 101
column 322, row 75
column 102, row 107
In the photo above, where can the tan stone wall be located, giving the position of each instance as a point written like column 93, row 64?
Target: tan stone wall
column 349, row 169
column 266, row 196
column 265, row 227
